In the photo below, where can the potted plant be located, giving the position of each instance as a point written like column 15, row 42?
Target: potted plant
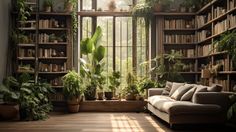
column 32, row 98
column 72, row 90
column 131, row 90
column 114, row 83
column 23, row 10
column 188, row 4
column 11, row 94
column 227, row 42
column 48, row 5
column 101, row 82
column 70, row 5
column 92, row 65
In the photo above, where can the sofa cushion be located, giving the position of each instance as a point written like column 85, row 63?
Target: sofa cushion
column 181, row 91
column 174, row 87
column 188, row 95
column 215, row 88
column 167, row 89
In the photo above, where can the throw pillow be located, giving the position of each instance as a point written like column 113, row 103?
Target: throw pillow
column 167, row 89
column 180, row 92
column 188, row 95
column 215, row 88
column 168, row 86
column 174, row 87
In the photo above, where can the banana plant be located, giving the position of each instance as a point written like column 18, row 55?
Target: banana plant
column 91, row 62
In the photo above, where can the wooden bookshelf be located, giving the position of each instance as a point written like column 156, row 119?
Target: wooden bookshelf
column 47, row 52
column 212, row 20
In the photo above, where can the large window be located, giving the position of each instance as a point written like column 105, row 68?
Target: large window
column 124, row 38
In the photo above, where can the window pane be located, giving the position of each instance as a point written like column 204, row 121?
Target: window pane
column 87, row 5
column 86, row 27
column 106, row 23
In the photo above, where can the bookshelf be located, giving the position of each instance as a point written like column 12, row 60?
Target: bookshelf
column 178, row 33
column 197, row 43
column 45, row 50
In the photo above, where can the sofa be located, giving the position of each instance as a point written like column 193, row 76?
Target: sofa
column 180, row 103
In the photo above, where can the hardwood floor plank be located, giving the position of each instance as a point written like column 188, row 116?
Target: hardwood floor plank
column 96, row 122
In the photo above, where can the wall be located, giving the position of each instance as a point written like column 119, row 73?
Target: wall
column 4, row 28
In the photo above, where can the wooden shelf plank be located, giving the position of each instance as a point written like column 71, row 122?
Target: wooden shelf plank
column 174, row 14
column 53, row 72
column 26, row 45
column 51, row 58
column 54, row 29
column 183, row 29
column 55, row 13
column 51, row 43
column 26, row 58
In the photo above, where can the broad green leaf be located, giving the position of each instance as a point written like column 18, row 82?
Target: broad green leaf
column 96, row 36
column 99, row 53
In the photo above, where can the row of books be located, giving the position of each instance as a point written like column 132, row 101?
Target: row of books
column 204, row 50
column 45, row 38
column 218, row 11
column 224, row 63
column 50, row 23
column 186, row 52
column 26, row 52
column 50, row 53
column 202, row 35
column 232, row 20
column 203, row 19
column 179, row 38
column 220, row 27
column 232, row 4
column 179, row 24
column 52, row 67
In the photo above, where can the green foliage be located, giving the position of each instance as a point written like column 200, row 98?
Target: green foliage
column 72, row 84
column 170, row 73
column 231, row 114
column 23, row 10
column 92, row 64
column 227, row 42
column 32, row 97
column 131, row 87
column 47, row 3
column 146, row 83
column 114, row 80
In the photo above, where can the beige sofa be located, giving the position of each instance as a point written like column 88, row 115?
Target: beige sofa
column 206, row 105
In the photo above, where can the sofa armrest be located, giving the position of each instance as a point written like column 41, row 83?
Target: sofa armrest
column 155, row 91
column 218, row 98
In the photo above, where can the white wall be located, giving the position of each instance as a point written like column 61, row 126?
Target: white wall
column 4, row 27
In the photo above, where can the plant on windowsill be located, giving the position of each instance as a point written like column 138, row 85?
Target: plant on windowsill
column 114, row 83
column 92, row 65
column 131, row 90
column 72, row 90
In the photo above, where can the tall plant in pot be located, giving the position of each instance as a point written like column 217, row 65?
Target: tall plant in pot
column 131, row 90
column 92, row 64
column 72, row 90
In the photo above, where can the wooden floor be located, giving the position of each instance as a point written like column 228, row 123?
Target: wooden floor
column 101, row 122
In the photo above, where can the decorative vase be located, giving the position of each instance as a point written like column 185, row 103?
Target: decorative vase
column 48, row 9
column 112, row 6
column 90, row 93
column 100, row 96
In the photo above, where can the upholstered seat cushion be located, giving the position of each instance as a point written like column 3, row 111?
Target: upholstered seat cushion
column 172, row 107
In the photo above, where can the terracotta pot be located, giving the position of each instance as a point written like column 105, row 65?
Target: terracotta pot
column 9, row 112
column 69, row 7
column 157, row 7
column 130, row 97
column 73, row 104
column 100, row 95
